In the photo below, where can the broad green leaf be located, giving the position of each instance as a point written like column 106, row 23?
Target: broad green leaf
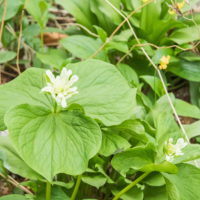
column 80, row 10
column 193, row 129
column 56, row 194
column 83, row 47
column 184, row 69
column 185, row 109
column 13, row 162
column 13, row 197
column 184, row 184
column 185, row 35
column 134, row 193
column 24, row 89
column 107, row 17
column 154, row 179
column 154, row 83
column 94, row 179
column 103, row 92
column 129, row 74
column 12, row 8
column 189, row 56
column 132, row 4
column 112, row 142
column 190, row 152
column 135, row 158
column 195, row 93
column 150, row 15
column 102, row 34
column 155, row 193
column 133, row 128
column 115, row 45
column 53, row 143
column 6, row 56
column 54, row 57
column 39, row 10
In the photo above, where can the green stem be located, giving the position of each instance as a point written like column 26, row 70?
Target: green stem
column 73, row 197
column 48, row 191
column 136, row 181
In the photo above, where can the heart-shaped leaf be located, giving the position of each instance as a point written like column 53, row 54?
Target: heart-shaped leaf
column 53, row 143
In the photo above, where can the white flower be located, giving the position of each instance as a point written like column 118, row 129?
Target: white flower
column 60, row 87
column 4, row 133
column 174, row 150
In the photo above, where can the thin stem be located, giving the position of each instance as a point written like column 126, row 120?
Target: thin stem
column 76, row 188
column 3, row 18
column 2, row 25
column 48, row 191
column 19, row 42
column 135, row 182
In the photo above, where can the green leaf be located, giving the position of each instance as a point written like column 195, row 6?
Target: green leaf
column 57, row 194
column 193, row 129
column 6, row 56
column 54, row 57
column 135, row 158
column 53, row 143
column 13, row 197
column 112, row 142
column 132, row 194
column 13, row 162
column 185, row 109
column 24, row 89
column 154, row 83
column 134, row 128
column 94, row 179
column 184, row 184
column 103, row 92
column 154, row 179
column 83, row 47
column 108, row 18
column 155, row 193
column 185, row 35
column 195, row 93
column 12, row 9
column 80, row 10
column 39, row 10
column 190, row 152
column 187, row 70
column 102, row 34
column 129, row 74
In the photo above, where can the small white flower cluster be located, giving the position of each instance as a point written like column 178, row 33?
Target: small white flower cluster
column 174, row 150
column 60, row 87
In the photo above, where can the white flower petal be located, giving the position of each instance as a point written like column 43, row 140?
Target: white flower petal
column 169, row 158
column 47, row 89
column 63, row 103
column 50, row 76
column 181, row 143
